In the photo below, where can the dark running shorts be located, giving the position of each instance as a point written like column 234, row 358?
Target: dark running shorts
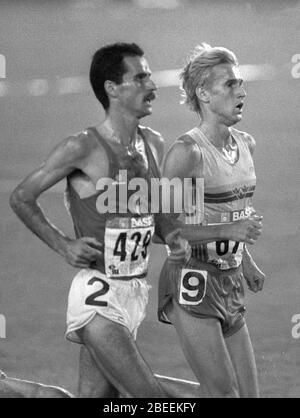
column 204, row 291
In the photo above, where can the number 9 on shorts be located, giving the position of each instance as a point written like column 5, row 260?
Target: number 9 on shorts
column 192, row 286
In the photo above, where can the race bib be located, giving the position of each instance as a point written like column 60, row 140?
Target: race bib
column 228, row 254
column 192, row 286
column 225, row 254
column 127, row 243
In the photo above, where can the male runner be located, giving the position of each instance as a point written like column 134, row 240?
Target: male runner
column 109, row 295
column 204, row 298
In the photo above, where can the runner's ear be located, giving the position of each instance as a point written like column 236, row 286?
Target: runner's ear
column 202, row 94
column 110, row 88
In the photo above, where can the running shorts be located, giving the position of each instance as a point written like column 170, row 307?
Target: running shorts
column 92, row 293
column 204, row 291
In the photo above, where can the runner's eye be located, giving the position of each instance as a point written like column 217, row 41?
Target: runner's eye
column 141, row 78
column 234, row 83
column 231, row 83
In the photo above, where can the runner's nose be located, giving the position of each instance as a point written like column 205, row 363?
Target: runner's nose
column 152, row 86
column 242, row 92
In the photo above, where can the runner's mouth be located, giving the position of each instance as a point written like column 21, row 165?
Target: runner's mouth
column 149, row 99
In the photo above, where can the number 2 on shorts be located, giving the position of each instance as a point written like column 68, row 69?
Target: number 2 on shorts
column 192, row 286
column 91, row 300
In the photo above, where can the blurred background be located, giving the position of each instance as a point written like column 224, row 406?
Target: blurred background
column 46, row 49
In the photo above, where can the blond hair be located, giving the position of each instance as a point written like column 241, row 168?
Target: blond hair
column 198, row 68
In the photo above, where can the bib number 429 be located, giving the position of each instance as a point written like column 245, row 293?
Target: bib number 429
column 139, row 247
column 127, row 251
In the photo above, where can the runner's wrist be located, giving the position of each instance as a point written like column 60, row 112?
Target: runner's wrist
column 63, row 244
column 223, row 232
column 246, row 255
column 163, row 226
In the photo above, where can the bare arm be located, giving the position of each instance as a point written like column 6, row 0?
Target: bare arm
column 166, row 229
column 65, row 158
column 254, row 277
column 163, row 223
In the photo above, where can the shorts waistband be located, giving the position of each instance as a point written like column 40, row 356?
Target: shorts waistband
column 193, row 263
column 123, row 278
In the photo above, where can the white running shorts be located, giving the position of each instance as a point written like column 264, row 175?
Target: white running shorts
column 121, row 301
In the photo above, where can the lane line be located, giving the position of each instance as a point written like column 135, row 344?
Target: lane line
column 80, row 84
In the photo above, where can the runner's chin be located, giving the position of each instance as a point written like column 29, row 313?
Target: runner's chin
column 148, row 108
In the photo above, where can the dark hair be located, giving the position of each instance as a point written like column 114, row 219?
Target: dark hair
column 108, row 64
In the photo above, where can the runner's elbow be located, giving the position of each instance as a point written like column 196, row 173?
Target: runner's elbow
column 14, row 200
column 18, row 198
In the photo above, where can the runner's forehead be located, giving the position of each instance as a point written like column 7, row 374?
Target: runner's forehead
column 136, row 65
column 226, row 72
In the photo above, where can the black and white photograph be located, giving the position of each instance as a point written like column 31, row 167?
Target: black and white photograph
column 149, row 184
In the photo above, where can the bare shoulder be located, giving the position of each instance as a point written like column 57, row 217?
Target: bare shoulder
column 70, row 155
column 155, row 141
column 182, row 157
column 245, row 136
column 78, row 145
column 151, row 135
column 76, row 150
column 184, row 148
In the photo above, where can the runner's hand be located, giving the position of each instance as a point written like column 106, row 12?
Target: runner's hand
column 82, row 252
column 180, row 248
column 254, row 277
column 246, row 230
